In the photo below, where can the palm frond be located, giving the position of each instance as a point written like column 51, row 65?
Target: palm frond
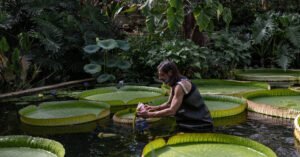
column 50, row 35
column 292, row 33
column 263, row 29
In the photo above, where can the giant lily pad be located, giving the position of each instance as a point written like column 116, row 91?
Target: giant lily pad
column 63, row 113
column 206, row 144
column 297, row 127
column 279, row 102
column 27, row 146
column 228, row 87
column 127, row 116
column 126, row 95
column 218, row 105
column 269, row 75
column 54, row 130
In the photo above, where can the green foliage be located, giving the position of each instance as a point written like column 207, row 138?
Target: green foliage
column 16, row 70
column 99, row 54
column 226, row 52
column 188, row 56
column 53, row 31
column 276, row 38
column 167, row 17
column 21, row 141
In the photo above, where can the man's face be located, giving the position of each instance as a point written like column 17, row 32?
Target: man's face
column 165, row 77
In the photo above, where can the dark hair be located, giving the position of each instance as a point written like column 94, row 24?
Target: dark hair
column 166, row 66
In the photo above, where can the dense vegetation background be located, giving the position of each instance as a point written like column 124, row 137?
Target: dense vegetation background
column 50, row 41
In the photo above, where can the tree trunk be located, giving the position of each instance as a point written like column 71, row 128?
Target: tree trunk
column 191, row 30
column 39, row 89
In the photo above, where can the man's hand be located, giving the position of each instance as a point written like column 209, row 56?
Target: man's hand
column 144, row 113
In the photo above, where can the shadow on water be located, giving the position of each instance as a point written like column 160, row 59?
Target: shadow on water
column 82, row 140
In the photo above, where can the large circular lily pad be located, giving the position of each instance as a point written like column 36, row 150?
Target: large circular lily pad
column 127, row 116
column 68, row 129
column 218, row 105
column 276, row 77
column 297, row 127
column 63, row 113
column 27, row 146
column 206, row 144
column 127, row 95
column 228, row 87
column 279, row 102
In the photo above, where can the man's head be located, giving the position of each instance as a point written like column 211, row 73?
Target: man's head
column 168, row 72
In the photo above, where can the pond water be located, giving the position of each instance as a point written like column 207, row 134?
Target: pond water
column 82, row 140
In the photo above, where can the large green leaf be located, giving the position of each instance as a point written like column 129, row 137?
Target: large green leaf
column 124, row 45
column 202, row 19
column 175, row 14
column 91, row 49
column 92, row 68
column 292, row 33
column 54, row 130
column 228, row 87
column 263, row 30
column 129, row 95
column 278, row 102
column 108, row 44
column 206, row 144
column 27, row 146
column 63, row 113
column 3, row 45
column 297, row 127
column 227, row 17
column 268, row 75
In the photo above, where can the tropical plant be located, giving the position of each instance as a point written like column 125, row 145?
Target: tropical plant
column 16, row 70
column 276, row 38
column 226, row 51
column 167, row 17
column 104, row 59
column 58, row 30
column 188, row 56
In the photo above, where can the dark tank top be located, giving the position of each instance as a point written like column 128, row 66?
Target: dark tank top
column 193, row 114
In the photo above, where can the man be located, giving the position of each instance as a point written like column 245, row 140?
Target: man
column 185, row 102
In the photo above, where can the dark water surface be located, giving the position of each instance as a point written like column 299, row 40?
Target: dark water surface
column 82, row 140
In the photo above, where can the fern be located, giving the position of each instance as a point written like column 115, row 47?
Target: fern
column 49, row 35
